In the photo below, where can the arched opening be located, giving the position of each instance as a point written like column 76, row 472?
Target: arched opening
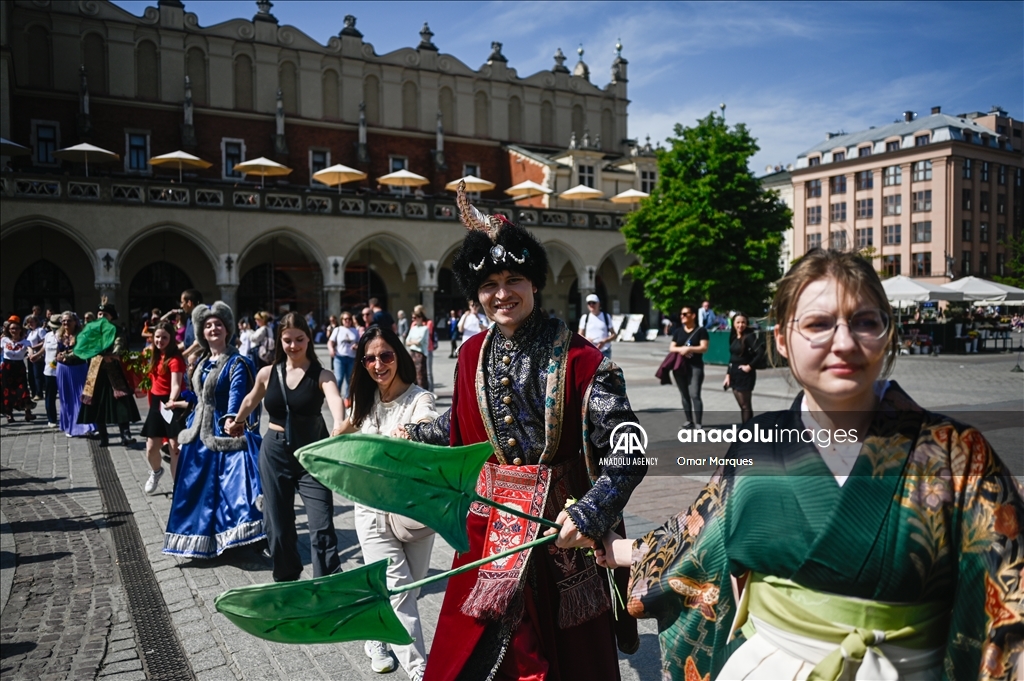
column 638, row 301
column 158, row 285
column 361, row 284
column 43, row 283
column 94, row 57
column 371, row 99
column 410, row 105
column 446, row 104
column 547, row 123
column 579, row 122
column 38, row 39
column 195, row 64
column 331, row 92
column 147, row 71
column 482, row 115
column 572, row 303
column 279, row 275
column 243, row 83
column 607, row 130
column 288, row 82
column 515, row 119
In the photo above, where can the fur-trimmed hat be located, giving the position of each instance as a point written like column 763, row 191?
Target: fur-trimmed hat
column 201, row 313
column 494, row 244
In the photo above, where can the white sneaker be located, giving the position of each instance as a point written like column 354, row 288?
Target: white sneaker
column 698, row 427
column 154, row 480
column 380, row 657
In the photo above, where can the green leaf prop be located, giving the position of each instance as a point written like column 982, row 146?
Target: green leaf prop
column 431, row 484
column 346, row 606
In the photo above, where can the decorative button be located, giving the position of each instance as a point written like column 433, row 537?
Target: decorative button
column 508, row 419
column 508, row 345
column 506, row 399
column 506, row 360
column 511, row 442
column 506, row 380
column 517, row 461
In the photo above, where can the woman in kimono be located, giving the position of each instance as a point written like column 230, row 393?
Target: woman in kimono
column 891, row 551
column 217, row 489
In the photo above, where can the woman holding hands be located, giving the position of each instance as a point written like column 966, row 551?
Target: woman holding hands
column 293, row 390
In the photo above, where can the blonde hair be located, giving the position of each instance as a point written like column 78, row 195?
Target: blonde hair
column 855, row 277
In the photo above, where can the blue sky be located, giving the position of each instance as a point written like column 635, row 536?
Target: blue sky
column 790, row 71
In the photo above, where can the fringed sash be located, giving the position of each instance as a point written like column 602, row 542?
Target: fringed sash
column 115, row 374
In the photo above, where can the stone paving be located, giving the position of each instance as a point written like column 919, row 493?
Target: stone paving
column 67, row 617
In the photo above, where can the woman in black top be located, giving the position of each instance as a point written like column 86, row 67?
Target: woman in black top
column 744, row 353
column 690, row 341
column 293, row 390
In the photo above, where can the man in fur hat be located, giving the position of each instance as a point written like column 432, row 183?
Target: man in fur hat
column 548, row 401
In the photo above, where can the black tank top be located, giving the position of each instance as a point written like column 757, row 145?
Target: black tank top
column 305, row 401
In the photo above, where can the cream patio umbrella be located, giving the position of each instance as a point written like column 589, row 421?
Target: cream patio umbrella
column 9, row 148
column 629, row 196
column 263, row 167
column 83, row 153
column 581, row 192
column 338, row 175
column 903, row 291
column 977, row 289
column 527, row 189
column 403, row 178
column 473, row 184
column 179, row 159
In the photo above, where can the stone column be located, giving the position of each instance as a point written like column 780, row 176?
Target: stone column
column 333, row 299
column 228, row 295
column 427, row 296
column 428, row 284
column 107, row 278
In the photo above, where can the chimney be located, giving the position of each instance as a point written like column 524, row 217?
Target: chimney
column 908, row 116
column 936, row 110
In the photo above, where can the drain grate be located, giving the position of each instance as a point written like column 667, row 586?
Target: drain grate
column 161, row 651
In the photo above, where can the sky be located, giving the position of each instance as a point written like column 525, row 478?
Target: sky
column 790, row 71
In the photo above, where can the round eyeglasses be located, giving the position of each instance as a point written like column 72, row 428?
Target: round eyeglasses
column 819, row 327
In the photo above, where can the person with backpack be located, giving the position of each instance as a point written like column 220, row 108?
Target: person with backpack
column 597, row 327
column 262, row 343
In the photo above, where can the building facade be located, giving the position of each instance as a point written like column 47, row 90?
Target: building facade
column 935, row 197
column 141, row 86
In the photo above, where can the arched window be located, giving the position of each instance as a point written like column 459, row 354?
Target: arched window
column 288, row 82
column 331, row 95
column 243, row 83
column 94, row 56
column 446, row 104
column 147, row 71
column 38, row 40
column 371, row 98
column 43, row 283
column 481, row 115
column 579, row 122
column 195, row 68
column 547, row 123
column 608, row 141
column 515, row 119
column 410, row 105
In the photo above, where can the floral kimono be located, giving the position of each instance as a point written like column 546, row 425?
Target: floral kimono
column 925, row 535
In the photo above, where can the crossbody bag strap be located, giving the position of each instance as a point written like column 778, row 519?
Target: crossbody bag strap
column 287, row 409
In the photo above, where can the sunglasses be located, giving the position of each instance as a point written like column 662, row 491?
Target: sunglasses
column 386, row 357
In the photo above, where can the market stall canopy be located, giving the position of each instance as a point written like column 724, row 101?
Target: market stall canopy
column 581, row 192
column 629, row 196
column 83, row 153
column 983, row 290
column 525, row 190
column 9, row 148
column 473, row 184
column 902, row 289
column 179, row 159
column 337, row 175
column 403, row 178
column 263, row 167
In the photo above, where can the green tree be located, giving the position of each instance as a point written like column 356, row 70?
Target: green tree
column 708, row 229
column 1014, row 262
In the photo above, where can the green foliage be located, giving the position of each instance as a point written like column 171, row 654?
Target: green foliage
column 708, row 230
column 346, row 606
column 1014, row 262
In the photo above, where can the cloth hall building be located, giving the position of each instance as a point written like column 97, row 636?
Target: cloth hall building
column 142, row 86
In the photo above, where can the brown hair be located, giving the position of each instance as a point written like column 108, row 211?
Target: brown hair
column 855, row 277
column 363, row 387
column 294, row 320
column 164, row 356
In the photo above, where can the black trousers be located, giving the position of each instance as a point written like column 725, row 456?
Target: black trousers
column 50, row 393
column 282, row 475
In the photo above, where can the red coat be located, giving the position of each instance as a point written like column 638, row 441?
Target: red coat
column 586, row 651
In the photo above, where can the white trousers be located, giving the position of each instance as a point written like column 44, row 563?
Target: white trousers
column 409, row 563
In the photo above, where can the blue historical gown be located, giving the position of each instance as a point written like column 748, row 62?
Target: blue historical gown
column 217, row 492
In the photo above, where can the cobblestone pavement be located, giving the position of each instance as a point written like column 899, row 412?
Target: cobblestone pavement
column 67, row 613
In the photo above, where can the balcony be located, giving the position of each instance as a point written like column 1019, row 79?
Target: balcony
column 158, row 193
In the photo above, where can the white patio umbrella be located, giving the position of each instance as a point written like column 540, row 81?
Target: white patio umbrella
column 581, row 192
column 629, row 196
column 9, row 148
column 83, row 153
column 179, row 159
column 473, row 184
column 525, row 190
column 403, row 178
column 977, row 289
column 901, row 288
column 338, row 175
column 263, row 167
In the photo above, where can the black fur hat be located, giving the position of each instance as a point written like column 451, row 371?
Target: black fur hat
column 494, row 244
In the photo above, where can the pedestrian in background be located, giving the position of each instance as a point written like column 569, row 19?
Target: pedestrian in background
column 13, row 372
column 597, row 327
column 71, row 375
column 107, row 396
column 342, row 346
column 261, row 350
column 453, row 332
column 416, row 343
column 431, row 343
column 167, row 380
column 744, row 355
column 34, row 333
column 472, row 322
column 293, row 390
column 706, row 316
column 49, row 362
column 189, row 299
column 403, row 324
column 691, row 341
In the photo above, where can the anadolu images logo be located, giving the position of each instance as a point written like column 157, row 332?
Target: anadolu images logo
column 629, row 442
